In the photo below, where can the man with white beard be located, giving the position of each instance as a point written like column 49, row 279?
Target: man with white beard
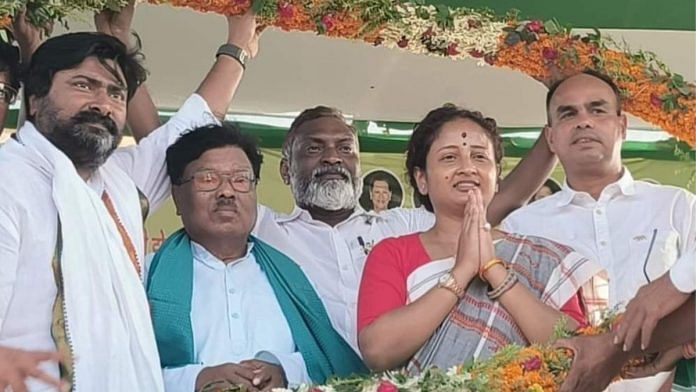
column 329, row 235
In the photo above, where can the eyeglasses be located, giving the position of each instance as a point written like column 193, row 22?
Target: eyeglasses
column 210, row 180
column 8, row 94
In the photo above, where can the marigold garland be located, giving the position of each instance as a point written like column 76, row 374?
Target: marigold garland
column 543, row 50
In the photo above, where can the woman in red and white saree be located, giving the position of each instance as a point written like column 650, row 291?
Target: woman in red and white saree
column 461, row 291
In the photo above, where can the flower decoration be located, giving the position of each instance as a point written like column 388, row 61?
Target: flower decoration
column 543, row 50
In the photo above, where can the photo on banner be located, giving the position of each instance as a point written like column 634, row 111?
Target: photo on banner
column 382, row 190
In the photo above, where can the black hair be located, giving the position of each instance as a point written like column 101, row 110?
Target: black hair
column 380, row 177
column 191, row 145
column 553, row 185
column 9, row 63
column 427, row 130
column 67, row 51
column 590, row 72
column 306, row 116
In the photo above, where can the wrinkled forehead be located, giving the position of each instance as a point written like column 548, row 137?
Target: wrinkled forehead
column 324, row 129
column 581, row 90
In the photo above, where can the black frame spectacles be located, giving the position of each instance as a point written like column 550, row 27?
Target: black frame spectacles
column 8, row 94
column 211, row 180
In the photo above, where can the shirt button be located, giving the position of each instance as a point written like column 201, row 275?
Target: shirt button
column 603, row 243
column 235, row 315
column 231, row 290
column 598, row 212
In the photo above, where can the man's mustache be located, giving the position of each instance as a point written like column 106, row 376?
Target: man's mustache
column 335, row 169
column 90, row 117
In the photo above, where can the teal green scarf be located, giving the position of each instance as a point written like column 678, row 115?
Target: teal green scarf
column 170, row 288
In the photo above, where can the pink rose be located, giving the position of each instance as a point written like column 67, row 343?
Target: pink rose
column 549, row 54
column 532, row 364
column 286, row 10
column 655, row 100
column 386, row 386
column 535, row 26
column 328, row 22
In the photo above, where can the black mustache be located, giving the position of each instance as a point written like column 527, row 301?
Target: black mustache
column 95, row 118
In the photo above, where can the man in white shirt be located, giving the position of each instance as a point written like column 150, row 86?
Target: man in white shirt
column 229, row 310
column 71, row 235
column 329, row 234
column 635, row 230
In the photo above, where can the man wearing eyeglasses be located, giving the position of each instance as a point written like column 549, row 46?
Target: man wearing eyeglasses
column 228, row 309
column 9, row 81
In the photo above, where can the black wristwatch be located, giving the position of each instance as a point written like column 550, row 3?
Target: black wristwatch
column 235, row 52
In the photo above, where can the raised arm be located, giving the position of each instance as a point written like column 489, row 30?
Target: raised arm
column 145, row 163
column 221, row 83
column 28, row 36
column 142, row 113
column 523, row 181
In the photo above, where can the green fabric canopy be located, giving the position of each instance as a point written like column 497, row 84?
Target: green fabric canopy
column 626, row 14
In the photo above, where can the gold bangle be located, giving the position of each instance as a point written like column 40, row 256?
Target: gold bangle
column 490, row 265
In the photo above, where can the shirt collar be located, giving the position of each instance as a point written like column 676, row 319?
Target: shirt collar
column 625, row 185
column 201, row 254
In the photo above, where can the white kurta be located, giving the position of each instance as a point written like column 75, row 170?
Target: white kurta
column 235, row 316
column 333, row 258
column 28, row 226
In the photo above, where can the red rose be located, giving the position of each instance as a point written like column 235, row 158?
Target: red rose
column 286, row 10
column 549, row 54
column 452, row 49
column 403, row 42
column 328, row 22
column 532, row 364
column 428, row 33
column 386, row 386
column 535, row 26
column 477, row 54
column 655, row 100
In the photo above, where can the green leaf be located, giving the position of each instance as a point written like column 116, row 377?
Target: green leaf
column 552, row 27
column 257, row 5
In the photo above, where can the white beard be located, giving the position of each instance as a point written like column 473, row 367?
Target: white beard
column 330, row 195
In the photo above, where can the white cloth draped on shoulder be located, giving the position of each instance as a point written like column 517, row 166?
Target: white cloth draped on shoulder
column 106, row 311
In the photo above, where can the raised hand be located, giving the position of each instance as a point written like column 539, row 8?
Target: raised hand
column 475, row 242
column 117, row 23
column 243, row 31
column 28, row 36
